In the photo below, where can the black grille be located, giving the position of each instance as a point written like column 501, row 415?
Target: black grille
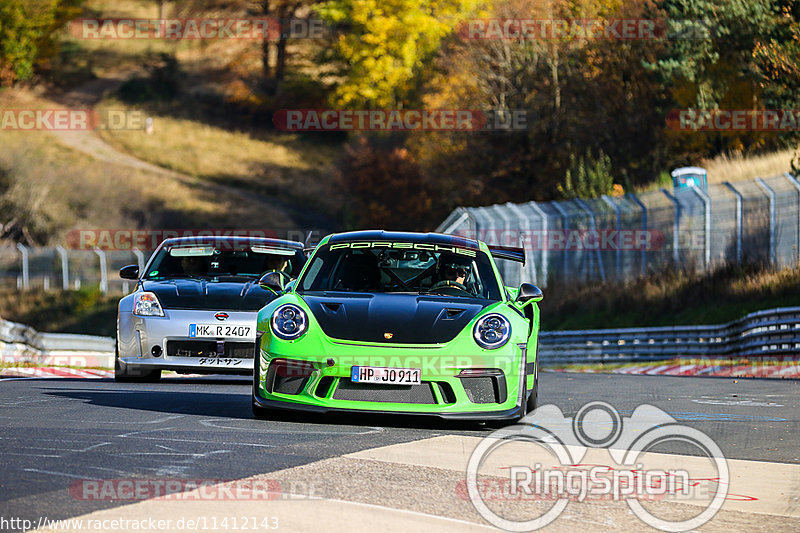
column 479, row 390
column 446, row 392
column 368, row 392
column 287, row 376
column 238, row 350
column 324, row 386
column 289, row 385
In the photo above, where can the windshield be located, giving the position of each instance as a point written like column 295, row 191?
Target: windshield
column 186, row 261
column 401, row 267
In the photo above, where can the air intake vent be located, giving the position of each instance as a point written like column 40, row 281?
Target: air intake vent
column 418, row 394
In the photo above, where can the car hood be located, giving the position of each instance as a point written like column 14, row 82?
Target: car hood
column 240, row 295
column 408, row 318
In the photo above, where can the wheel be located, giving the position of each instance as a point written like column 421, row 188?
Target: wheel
column 123, row 374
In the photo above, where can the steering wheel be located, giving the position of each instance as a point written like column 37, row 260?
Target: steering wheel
column 450, row 287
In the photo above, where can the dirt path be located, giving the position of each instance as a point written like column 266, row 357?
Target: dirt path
column 88, row 95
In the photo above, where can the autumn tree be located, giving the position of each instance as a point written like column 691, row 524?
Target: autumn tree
column 386, row 46
column 738, row 55
column 27, row 34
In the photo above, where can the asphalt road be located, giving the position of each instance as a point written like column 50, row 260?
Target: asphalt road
column 58, row 432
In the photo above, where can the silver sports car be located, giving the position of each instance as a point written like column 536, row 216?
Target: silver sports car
column 195, row 305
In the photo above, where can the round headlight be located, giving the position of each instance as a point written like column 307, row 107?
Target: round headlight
column 492, row 331
column 289, row 322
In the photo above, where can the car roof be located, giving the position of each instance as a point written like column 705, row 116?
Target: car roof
column 428, row 238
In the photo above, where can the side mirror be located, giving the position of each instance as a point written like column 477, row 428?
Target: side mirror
column 529, row 293
column 129, row 272
column 271, row 281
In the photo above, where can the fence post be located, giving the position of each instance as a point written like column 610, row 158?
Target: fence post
column 738, row 221
column 635, row 199
column 593, row 225
column 773, row 256
column 544, row 252
column 62, row 252
column 525, row 224
column 565, row 225
column 103, row 270
column 707, row 214
column 26, row 274
column 676, row 256
column 139, row 259
column 618, row 228
column 796, row 184
column 465, row 215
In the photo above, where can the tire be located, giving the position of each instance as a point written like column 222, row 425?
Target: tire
column 122, row 374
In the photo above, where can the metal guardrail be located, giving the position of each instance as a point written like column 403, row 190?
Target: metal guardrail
column 23, row 344
column 768, row 333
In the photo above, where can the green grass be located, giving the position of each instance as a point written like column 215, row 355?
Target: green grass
column 670, row 298
column 85, row 311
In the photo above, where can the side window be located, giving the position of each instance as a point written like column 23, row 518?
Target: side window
column 312, row 272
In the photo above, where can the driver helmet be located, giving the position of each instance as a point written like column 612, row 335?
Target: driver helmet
column 450, row 267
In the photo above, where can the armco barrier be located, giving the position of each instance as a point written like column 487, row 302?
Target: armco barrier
column 769, row 333
column 23, row 344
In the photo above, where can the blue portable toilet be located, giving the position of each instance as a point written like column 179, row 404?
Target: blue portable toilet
column 685, row 177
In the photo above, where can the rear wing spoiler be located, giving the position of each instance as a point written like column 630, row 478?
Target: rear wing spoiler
column 508, row 252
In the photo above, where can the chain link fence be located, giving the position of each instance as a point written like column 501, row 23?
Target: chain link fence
column 621, row 238
column 58, row 268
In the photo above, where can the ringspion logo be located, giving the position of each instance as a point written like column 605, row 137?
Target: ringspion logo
column 557, row 467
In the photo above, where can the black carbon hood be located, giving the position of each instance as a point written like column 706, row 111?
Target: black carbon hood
column 409, row 318
column 240, row 295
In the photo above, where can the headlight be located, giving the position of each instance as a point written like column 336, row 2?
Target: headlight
column 146, row 304
column 492, row 331
column 289, row 322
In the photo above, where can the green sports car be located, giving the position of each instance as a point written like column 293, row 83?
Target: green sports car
column 399, row 323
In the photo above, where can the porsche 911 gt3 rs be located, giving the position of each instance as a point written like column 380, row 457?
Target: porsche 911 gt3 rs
column 399, row 322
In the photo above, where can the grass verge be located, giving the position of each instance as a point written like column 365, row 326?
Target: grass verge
column 85, row 311
column 670, row 298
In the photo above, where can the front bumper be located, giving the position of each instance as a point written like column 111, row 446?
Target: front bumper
column 495, row 389
column 166, row 343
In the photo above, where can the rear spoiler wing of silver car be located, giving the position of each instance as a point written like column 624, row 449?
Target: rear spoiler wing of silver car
column 511, row 253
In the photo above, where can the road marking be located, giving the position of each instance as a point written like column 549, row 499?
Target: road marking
column 63, row 474
column 755, row 486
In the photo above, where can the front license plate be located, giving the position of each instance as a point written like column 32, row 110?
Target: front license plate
column 221, row 330
column 384, row 375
